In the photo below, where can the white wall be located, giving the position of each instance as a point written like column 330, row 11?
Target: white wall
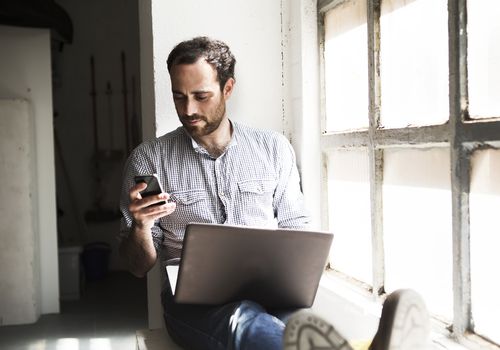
column 302, row 96
column 252, row 29
column 277, row 71
column 276, row 77
column 25, row 73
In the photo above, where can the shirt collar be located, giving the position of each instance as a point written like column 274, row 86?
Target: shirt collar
column 233, row 142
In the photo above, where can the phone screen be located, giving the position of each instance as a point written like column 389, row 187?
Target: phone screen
column 154, row 186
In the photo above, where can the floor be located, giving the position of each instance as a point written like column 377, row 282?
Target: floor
column 106, row 317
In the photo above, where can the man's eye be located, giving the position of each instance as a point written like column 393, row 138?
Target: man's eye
column 201, row 97
column 178, row 97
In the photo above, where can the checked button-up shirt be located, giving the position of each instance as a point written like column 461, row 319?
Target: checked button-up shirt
column 255, row 182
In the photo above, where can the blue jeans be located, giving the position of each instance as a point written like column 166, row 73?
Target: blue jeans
column 242, row 325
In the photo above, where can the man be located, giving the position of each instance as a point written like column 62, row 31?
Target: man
column 212, row 170
column 218, row 171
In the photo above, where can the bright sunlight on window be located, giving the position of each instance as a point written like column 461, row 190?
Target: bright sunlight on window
column 346, row 67
column 417, row 224
column 414, row 196
column 483, row 56
column 485, row 242
column 349, row 212
column 414, row 62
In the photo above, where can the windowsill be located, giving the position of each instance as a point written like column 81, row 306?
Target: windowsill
column 355, row 313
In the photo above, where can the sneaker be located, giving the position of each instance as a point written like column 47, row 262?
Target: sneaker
column 404, row 323
column 307, row 331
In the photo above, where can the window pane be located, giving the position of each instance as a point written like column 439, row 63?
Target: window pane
column 414, row 62
column 417, row 225
column 346, row 67
column 483, row 55
column 349, row 213
column 485, row 242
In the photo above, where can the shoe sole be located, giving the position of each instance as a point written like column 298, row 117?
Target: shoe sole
column 306, row 331
column 404, row 323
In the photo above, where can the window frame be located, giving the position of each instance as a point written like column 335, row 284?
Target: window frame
column 462, row 134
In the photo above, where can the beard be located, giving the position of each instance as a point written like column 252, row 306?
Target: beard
column 209, row 123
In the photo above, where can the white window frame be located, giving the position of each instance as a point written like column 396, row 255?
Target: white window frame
column 460, row 133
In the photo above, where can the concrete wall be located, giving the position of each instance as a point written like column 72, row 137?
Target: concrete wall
column 25, row 73
column 276, row 77
column 19, row 286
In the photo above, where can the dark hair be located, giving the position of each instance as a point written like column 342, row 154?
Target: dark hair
column 215, row 52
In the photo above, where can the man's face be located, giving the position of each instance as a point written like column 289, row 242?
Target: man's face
column 200, row 104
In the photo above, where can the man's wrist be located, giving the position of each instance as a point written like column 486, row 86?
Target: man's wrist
column 141, row 227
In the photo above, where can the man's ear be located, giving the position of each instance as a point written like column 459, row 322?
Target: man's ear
column 228, row 88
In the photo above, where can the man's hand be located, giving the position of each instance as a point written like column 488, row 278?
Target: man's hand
column 146, row 210
column 138, row 248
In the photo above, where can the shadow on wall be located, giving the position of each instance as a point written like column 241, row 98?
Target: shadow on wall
column 96, row 124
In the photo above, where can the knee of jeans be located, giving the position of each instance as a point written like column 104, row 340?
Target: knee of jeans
column 248, row 313
column 246, row 310
column 251, row 306
column 243, row 313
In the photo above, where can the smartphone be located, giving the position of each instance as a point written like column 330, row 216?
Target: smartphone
column 154, row 186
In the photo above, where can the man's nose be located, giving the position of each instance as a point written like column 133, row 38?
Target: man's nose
column 191, row 107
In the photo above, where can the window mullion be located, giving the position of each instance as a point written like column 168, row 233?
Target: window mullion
column 481, row 131
column 413, row 136
column 375, row 154
column 324, row 162
column 325, row 5
column 460, row 173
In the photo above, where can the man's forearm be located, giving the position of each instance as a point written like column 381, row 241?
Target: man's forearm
column 138, row 251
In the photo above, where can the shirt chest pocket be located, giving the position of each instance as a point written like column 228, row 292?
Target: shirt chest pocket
column 188, row 197
column 191, row 206
column 257, row 192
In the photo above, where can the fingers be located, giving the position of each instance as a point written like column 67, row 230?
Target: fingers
column 148, row 209
column 156, row 210
column 153, row 212
column 144, row 217
column 134, row 192
column 136, row 199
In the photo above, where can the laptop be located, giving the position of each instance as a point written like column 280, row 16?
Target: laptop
column 278, row 268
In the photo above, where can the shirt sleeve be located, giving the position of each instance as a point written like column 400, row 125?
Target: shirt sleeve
column 288, row 200
column 138, row 163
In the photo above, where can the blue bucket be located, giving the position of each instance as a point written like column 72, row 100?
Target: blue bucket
column 95, row 260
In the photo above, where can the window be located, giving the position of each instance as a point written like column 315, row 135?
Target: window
column 411, row 149
column 346, row 77
column 485, row 241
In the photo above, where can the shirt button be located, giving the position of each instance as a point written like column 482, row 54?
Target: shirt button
column 221, row 194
